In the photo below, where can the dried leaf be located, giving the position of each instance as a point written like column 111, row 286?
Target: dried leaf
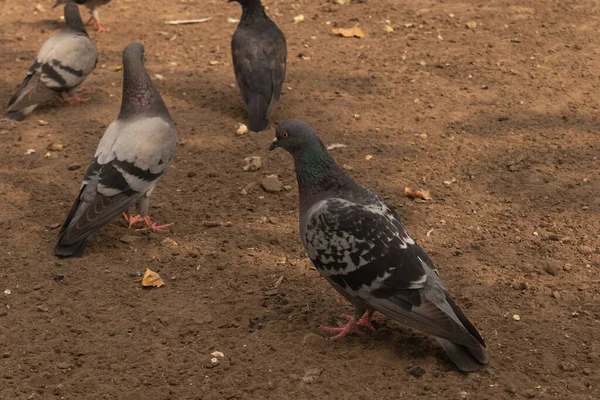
column 298, row 18
column 355, row 31
column 151, row 278
column 336, row 146
column 421, row 194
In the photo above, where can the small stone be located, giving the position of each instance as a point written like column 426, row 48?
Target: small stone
column 567, row 267
column 63, row 365
column 312, row 340
column 129, row 239
column 556, row 294
column 553, row 267
column 271, row 184
column 168, row 242
column 42, row 308
column 586, row 250
column 217, row 354
column 252, row 163
column 192, row 174
column 7, row 292
column 214, row 361
column 510, row 390
column 555, row 238
column 55, row 147
column 417, row 372
column 471, row 25
column 567, row 366
column 311, row 375
column 73, row 167
column 40, row 8
column 516, row 317
column 347, row 167
column 587, row 371
column 241, row 129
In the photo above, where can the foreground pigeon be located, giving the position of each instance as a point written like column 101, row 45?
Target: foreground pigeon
column 133, row 155
column 93, row 6
column 62, row 64
column 259, row 54
column 360, row 246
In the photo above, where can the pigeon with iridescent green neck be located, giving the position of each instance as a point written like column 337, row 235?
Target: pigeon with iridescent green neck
column 359, row 245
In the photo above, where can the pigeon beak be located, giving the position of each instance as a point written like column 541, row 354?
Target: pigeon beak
column 274, row 144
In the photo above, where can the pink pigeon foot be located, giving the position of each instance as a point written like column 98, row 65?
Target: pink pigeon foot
column 365, row 320
column 132, row 220
column 73, row 100
column 342, row 329
column 350, row 327
column 98, row 25
column 153, row 227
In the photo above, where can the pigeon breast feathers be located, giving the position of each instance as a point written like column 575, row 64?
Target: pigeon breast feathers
column 66, row 60
column 135, row 142
column 362, row 248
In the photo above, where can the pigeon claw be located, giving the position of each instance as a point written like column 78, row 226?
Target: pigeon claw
column 132, row 220
column 343, row 329
column 365, row 320
column 153, row 227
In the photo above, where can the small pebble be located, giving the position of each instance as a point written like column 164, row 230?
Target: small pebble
column 73, row 167
column 271, row 184
column 516, row 317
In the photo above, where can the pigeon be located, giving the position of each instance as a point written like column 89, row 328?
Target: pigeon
column 93, row 6
column 63, row 63
column 133, row 155
column 357, row 242
column 259, row 53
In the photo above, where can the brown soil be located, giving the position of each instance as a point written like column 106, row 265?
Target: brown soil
column 508, row 109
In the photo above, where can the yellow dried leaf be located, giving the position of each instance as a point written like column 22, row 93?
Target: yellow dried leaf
column 118, row 68
column 389, row 28
column 421, row 194
column 151, row 278
column 350, row 32
column 214, row 62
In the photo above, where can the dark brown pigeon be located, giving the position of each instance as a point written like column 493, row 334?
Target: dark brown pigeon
column 359, row 245
column 259, row 56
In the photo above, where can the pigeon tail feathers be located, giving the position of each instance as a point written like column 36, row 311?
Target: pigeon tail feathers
column 257, row 109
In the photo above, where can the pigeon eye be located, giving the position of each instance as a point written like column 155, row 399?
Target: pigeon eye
column 284, row 134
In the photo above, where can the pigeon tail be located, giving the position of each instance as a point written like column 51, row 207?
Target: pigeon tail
column 18, row 115
column 467, row 359
column 71, row 250
column 257, row 109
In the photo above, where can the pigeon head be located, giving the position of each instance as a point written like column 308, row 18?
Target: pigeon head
column 296, row 136
column 139, row 93
column 244, row 3
column 73, row 17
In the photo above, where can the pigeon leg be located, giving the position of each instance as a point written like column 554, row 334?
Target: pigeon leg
column 153, row 227
column 342, row 329
column 365, row 320
column 132, row 220
column 98, row 25
column 73, row 100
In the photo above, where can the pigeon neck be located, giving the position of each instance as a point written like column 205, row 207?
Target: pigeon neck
column 252, row 10
column 139, row 93
column 317, row 171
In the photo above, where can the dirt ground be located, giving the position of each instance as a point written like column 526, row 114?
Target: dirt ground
column 504, row 112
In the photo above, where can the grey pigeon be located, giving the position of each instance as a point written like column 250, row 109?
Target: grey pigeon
column 259, row 55
column 63, row 63
column 359, row 245
column 93, row 6
column 133, row 155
